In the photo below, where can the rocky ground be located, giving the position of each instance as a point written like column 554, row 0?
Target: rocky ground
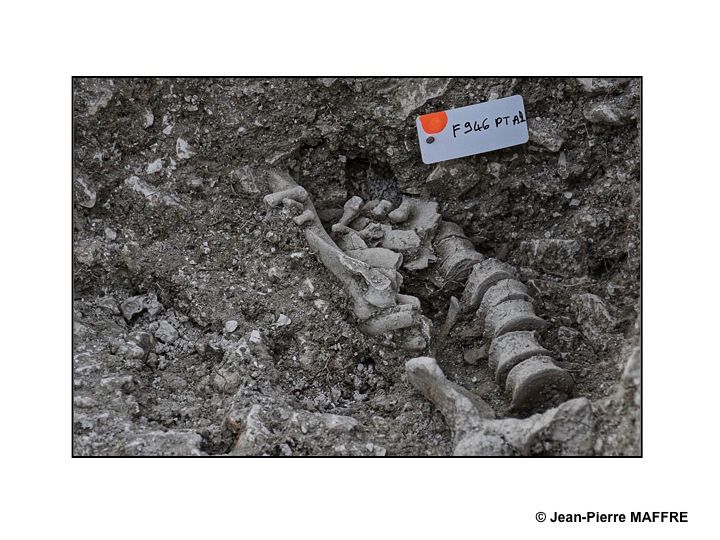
column 203, row 324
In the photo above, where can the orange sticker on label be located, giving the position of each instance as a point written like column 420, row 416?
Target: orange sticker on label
column 434, row 122
column 478, row 128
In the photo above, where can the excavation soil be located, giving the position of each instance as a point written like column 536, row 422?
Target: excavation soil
column 240, row 341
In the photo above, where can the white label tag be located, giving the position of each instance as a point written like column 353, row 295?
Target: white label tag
column 472, row 130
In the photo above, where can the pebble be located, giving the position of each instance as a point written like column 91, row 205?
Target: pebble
column 166, row 333
column 473, row 356
column 306, row 288
column 275, row 274
column 110, row 234
column 86, row 196
column 283, row 320
column 148, row 118
column 321, row 305
column 132, row 306
column 183, row 149
column 231, row 326
column 611, row 113
column 255, row 337
column 155, row 166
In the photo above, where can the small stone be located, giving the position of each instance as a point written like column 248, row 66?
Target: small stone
column 144, row 340
column 155, row 166
column 246, row 179
column 321, row 305
column 148, row 118
column 473, row 356
column 611, row 113
column 283, row 320
column 132, row 306
column 110, row 234
column 166, row 333
column 152, row 305
column 231, row 326
column 598, row 85
column 183, row 149
column 306, row 288
column 85, row 196
column 255, row 337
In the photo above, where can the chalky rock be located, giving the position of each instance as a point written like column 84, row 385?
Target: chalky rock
column 455, row 251
column 537, row 383
column 166, row 333
column 377, row 257
column 86, row 195
column 512, row 316
column 502, row 291
column 508, row 350
column 615, row 112
column 463, row 411
column 483, row 276
column 132, row 306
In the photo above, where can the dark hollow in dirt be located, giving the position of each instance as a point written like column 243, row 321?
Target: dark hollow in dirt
column 203, row 324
